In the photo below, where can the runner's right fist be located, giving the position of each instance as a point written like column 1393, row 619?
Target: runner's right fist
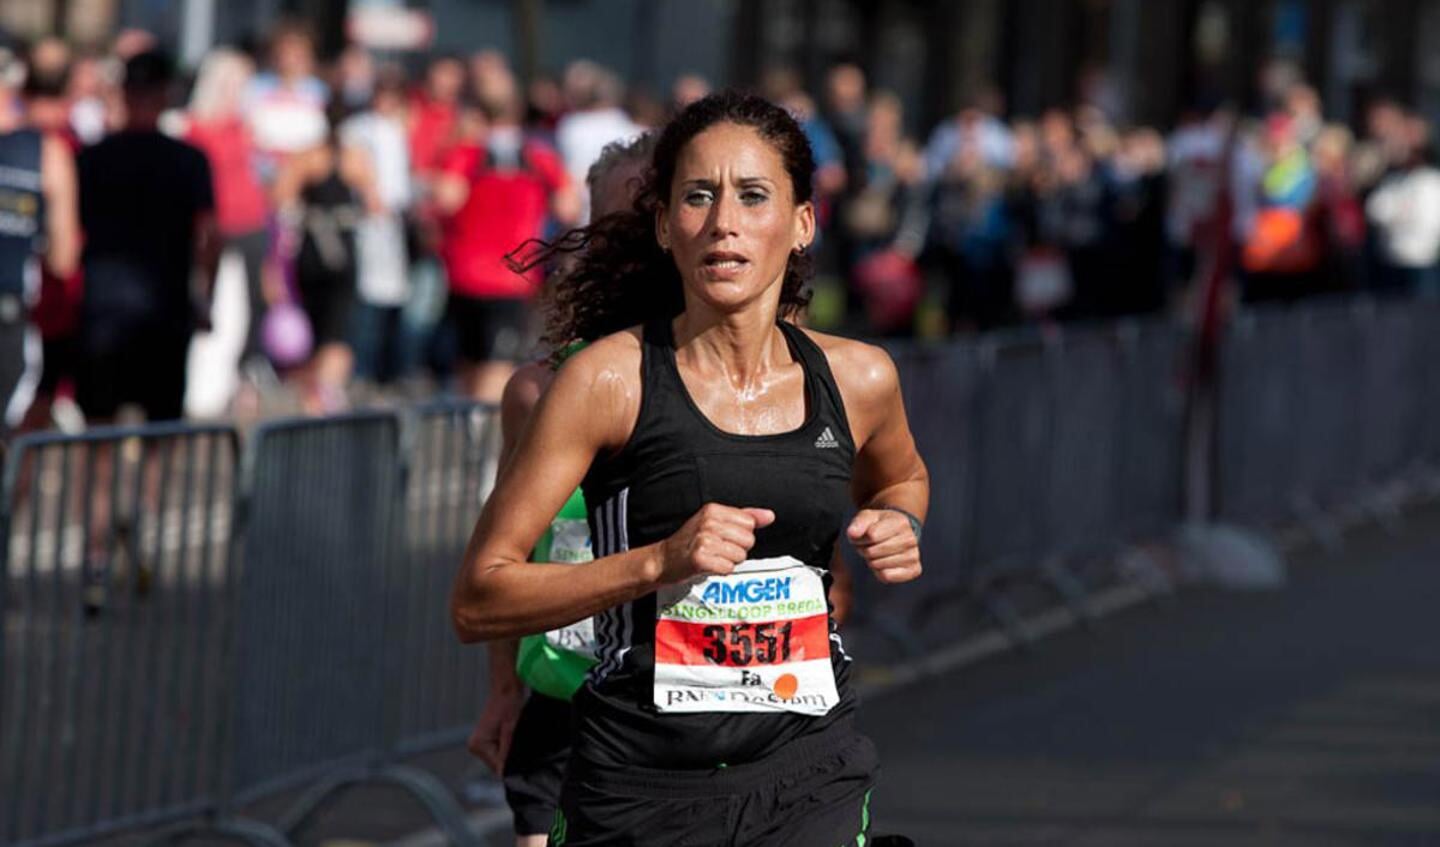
column 713, row 541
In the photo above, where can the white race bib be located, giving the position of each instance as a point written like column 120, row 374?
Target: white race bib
column 756, row 640
column 570, row 544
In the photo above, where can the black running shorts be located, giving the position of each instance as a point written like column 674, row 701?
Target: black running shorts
column 813, row 793
column 535, row 765
column 488, row 330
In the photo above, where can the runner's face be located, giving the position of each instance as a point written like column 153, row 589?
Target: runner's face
column 731, row 220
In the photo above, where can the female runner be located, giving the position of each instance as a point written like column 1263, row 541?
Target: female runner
column 719, row 448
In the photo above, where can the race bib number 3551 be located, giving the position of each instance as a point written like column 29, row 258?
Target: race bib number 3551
column 756, row 640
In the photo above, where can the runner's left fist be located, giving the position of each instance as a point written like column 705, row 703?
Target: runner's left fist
column 886, row 541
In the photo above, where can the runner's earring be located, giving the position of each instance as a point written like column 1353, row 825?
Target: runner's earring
column 800, row 249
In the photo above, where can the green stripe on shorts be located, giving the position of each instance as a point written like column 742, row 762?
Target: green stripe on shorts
column 861, row 839
column 558, row 830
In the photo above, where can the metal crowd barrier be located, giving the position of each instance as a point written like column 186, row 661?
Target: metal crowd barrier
column 343, row 609
column 189, row 628
column 116, row 582
column 316, row 536
column 437, row 685
column 1324, row 407
column 1044, row 449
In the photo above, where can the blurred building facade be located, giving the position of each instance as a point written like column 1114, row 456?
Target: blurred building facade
column 1142, row 59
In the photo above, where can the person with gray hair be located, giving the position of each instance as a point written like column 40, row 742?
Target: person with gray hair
column 526, row 740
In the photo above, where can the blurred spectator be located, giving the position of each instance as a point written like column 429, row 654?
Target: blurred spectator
column 49, row 56
column 47, row 104
column 147, row 209
column 56, row 312
column 354, row 79
column 544, row 105
column 871, row 219
column 91, row 98
column 286, row 104
column 1404, row 210
column 975, row 127
column 217, row 125
column 644, row 109
column 617, row 176
column 1342, row 215
column 131, row 42
column 489, row 73
column 1282, row 251
column 1195, row 175
column 383, row 284
column 970, row 233
column 1302, row 104
column 844, row 112
column 322, row 195
column 497, row 192
column 37, row 211
column 434, row 127
column 433, row 112
column 1076, row 215
column 594, row 95
column 687, row 89
column 1137, row 245
column 891, row 168
column 782, row 86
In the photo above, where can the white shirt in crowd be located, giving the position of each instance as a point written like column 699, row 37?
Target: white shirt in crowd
column 383, row 138
column 1405, row 211
column 382, row 277
column 582, row 136
column 1196, row 154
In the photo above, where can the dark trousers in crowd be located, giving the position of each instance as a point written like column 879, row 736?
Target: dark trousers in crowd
column 377, row 337
column 251, row 247
column 981, row 291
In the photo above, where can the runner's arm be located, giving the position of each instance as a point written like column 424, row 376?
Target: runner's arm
column 498, row 593
column 522, row 395
column 62, row 225
column 888, row 468
column 889, row 473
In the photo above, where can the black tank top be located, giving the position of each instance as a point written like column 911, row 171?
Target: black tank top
column 332, row 212
column 675, row 462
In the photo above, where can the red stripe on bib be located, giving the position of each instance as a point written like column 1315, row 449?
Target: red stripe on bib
column 743, row 645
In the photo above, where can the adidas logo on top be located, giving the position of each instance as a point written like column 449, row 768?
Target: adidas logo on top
column 826, row 439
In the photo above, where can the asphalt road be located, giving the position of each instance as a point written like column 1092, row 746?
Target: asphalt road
column 1308, row 716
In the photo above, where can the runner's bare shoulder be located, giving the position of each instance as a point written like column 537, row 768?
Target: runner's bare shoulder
column 602, row 383
column 865, row 373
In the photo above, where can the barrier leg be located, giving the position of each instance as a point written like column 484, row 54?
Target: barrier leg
column 1071, row 590
column 1004, row 613
column 425, row 788
column 1383, row 505
column 1320, row 526
column 1142, row 567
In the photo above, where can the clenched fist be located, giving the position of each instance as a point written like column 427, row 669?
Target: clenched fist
column 887, row 542
column 713, row 541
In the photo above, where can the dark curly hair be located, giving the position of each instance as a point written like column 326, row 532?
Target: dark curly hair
column 614, row 273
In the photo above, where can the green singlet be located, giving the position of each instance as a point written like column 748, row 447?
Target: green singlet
column 555, row 664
